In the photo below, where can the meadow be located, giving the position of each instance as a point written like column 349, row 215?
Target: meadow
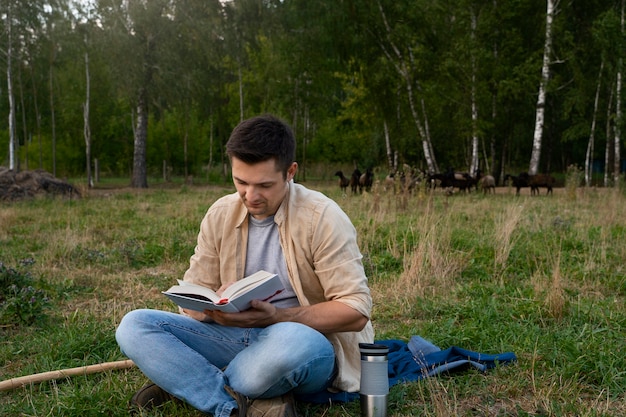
column 541, row 276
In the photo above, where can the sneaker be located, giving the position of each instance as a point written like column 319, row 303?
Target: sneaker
column 283, row 406
column 149, row 397
column 242, row 402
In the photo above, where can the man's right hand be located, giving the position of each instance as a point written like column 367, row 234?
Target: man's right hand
column 198, row 315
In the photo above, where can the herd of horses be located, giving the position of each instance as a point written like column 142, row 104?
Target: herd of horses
column 358, row 181
column 449, row 181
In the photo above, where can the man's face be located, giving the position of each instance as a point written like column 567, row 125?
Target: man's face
column 261, row 186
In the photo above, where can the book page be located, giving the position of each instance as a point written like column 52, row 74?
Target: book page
column 189, row 288
column 261, row 285
column 245, row 284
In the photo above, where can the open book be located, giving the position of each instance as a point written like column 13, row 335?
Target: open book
column 261, row 285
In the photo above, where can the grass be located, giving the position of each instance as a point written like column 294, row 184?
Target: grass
column 543, row 277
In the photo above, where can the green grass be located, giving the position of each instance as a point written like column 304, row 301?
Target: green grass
column 543, row 277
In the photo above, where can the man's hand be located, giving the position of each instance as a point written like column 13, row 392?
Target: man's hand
column 198, row 315
column 326, row 317
column 261, row 314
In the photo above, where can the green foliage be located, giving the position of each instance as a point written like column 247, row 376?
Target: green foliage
column 348, row 77
column 21, row 302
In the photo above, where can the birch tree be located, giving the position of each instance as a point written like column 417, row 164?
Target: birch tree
column 543, row 85
column 402, row 62
column 86, row 125
column 592, row 131
column 9, row 57
column 618, row 108
column 52, row 58
column 607, row 148
column 83, row 19
column 138, row 27
column 473, row 98
column 22, row 21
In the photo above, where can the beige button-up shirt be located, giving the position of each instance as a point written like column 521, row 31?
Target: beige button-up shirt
column 323, row 259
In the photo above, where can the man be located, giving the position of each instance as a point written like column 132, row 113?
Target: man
column 304, row 341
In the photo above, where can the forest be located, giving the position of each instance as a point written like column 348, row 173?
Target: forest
column 142, row 88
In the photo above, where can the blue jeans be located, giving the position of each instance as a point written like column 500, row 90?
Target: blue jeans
column 193, row 360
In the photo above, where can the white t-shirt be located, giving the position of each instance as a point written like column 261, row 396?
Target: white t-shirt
column 265, row 252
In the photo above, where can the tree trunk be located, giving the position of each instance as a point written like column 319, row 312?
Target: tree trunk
column 618, row 127
column 305, row 137
column 618, row 113
column 25, row 133
column 240, row 77
column 86, row 126
column 37, row 119
column 210, row 141
column 494, row 113
column 590, row 144
column 388, row 147
column 541, row 97
column 607, row 148
column 53, row 123
column 474, row 159
column 12, row 140
column 429, row 152
column 140, row 172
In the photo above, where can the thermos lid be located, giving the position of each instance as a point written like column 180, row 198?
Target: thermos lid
column 373, row 349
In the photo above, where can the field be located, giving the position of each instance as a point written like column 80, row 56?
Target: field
column 541, row 276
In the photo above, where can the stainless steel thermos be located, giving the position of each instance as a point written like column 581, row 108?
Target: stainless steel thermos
column 374, row 380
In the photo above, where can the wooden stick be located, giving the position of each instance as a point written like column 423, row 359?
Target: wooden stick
column 12, row 383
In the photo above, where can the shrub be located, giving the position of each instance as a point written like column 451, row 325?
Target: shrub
column 20, row 301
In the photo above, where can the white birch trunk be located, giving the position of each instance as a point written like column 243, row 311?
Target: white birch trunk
column 541, row 97
column 388, row 147
column 12, row 140
column 53, row 124
column 474, row 159
column 607, row 148
column 618, row 129
column 494, row 114
column 618, row 113
column 432, row 166
column 25, row 133
column 590, row 144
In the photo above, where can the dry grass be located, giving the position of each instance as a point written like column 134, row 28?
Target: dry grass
column 540, row 276
column 503, row 241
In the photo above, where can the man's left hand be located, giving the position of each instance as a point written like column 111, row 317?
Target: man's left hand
column 260, row 314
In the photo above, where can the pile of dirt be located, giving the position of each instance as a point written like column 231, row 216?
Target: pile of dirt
column 29, row 184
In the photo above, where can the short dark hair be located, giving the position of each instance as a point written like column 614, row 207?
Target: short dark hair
column 262, row 138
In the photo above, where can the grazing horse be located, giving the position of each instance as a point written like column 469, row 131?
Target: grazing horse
column 518, row 182
column 488, row 184
column 461, row 180
column 366, row 180
column 343, row 181
column 541, row 180
column 451, row 180
column 533, row 181
column 354, row 180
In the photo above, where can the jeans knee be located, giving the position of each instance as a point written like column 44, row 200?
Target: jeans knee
column 286, row 356
column 130, row 327
column 299, row 339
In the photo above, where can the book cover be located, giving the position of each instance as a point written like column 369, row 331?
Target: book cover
column 261, row 285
